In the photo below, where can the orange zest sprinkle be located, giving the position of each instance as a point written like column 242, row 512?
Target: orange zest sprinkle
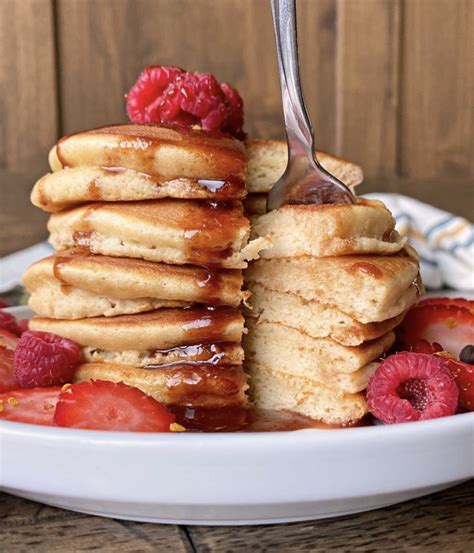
column 12, row 401
column 175, row 427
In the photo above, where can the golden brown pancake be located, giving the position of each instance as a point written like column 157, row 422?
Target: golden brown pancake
column 274, row 389
column 338, row 382
column 275, row 345
column 217, row 353
column 170, row 231
column 98, row 181
column 313, row 318
column 162, row 329
column 267, row 161
column 163, row 152
column 367, row 288
column 75, row 284
column 68, row 187
column 194, row 385
column 328, row 230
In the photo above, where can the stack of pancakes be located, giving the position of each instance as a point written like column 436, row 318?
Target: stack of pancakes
column 150, row 241
column 325, row 298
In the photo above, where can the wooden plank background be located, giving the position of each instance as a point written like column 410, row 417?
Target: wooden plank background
column 389, row 83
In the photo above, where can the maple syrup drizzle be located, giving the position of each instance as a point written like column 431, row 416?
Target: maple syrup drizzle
column 226, row 189
column 244, row 418
column 216, row 223
column 191, row 384
column 139, row 145
column 367, row 268
column 211, row 287
column 207, row 324
column 211, row 354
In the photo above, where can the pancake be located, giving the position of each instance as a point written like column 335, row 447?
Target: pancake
column 218, row 353
column 75, row 284
column 162, row 329
column 339, row 383
column 60, row 301
column 275, row 345
column 200, row 385
column 313, row 318
column 163, row 152
column 328, row 230
column 69, row 187
column 170, row 231
column 274, row 389
column 369, row 289
column 254, row 206
column 267, row 161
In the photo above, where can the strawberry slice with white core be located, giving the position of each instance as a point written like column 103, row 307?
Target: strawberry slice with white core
column 8, row 340
column 447, row 321
column 104, row 405
column 31, row 406
column 8, row 380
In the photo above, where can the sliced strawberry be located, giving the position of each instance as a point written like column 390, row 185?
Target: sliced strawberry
column 104, row 405
column 447, row 321
column 8, row 322
column 463, row 374
column 423, row 346
column 8, row 380
column 23, row 325
column 8, row 339
column 32, row 406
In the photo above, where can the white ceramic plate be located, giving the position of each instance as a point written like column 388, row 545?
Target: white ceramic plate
column 235, row 478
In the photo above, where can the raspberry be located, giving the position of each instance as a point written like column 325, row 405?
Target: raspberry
column 412, row 386
column 171, row 96
column 45, row 359
column 8, row 322
column 236, row 111
column 146, row 93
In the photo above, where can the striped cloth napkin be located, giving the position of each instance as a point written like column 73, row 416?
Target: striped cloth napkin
column 444, row 242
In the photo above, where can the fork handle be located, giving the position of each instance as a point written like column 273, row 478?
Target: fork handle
column 297, row 123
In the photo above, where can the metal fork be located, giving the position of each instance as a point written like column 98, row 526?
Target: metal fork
column 305, row 181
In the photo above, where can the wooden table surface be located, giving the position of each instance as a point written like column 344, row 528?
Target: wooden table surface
column 439, row 523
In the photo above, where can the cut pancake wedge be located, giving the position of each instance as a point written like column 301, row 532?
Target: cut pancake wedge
column 369, row 289
column 165, row 328
column 313, row 318
column 328, row 230
column 274, row 389
column 275, row 345
column 170, row 231
column 267, row 161
column 338, row 382
column 200, row 385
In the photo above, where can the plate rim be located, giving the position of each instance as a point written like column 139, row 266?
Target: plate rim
column 459, row 422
